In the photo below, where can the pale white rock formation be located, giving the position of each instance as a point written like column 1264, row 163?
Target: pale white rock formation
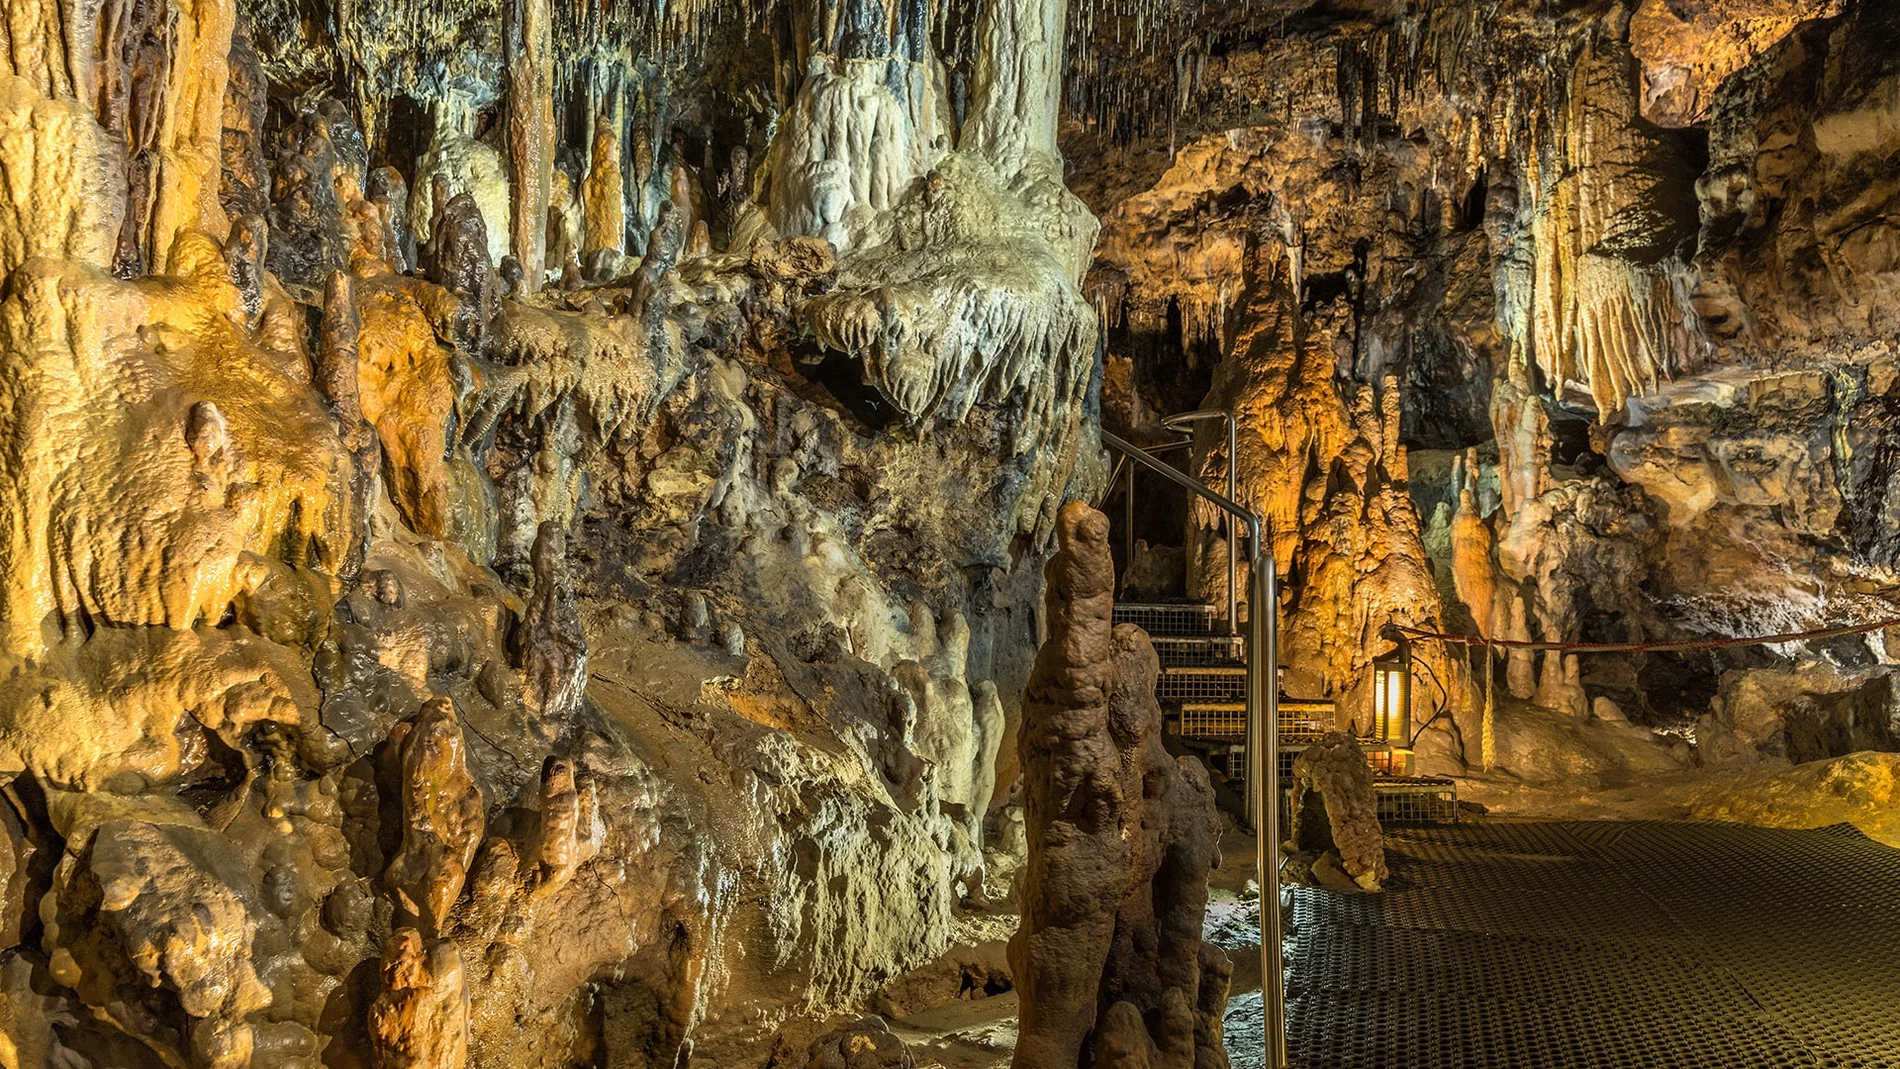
column 467, row 166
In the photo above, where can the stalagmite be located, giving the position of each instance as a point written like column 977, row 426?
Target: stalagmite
column 548, row 645
column 1335, row 810
column 191, row 133
column 66, row 197
column 441, row 814
column 390, row 193
column 1523, row 436
column 1018, row 84
column 1121, row 836
column 307, row 212
column 1473, row 556
column 337, row 361
column 566, row 837
column 604, row 193
column 469, row 167
column 420, row 1017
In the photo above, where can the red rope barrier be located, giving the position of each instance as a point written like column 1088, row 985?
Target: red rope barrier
column 1648, row 647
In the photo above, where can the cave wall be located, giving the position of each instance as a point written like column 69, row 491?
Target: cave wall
column 1624, row 265
column 525, row 521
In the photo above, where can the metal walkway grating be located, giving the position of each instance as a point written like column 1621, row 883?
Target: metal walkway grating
column 1642, row 945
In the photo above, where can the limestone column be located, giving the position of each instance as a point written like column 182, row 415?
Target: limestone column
column 530, row 60
column 191, row 137
column 603, row 195
column 1017, row 93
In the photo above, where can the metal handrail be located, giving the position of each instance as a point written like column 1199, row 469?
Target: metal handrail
column 1180, row 422
column 1128, row 527
column 1263, row 739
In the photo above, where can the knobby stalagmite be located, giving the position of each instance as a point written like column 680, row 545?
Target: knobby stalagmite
column 1121, row 839
column 442, row 817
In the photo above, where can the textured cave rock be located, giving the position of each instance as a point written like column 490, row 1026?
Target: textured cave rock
column 1121, row 839
column 524, row 522
column 1335, row 812
column 485, row 637
column 420, row 1017
column 1605, row 255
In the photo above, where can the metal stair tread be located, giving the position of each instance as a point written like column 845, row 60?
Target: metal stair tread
column 1211, row 640
column 1295, row 705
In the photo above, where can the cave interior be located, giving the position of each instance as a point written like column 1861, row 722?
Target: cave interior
column 589, row 534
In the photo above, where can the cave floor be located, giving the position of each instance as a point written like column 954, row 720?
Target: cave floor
column 1603, row 944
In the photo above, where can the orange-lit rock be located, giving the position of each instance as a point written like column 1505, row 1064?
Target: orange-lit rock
column 420, row 1017
column 605, row 192
column 408, row 392
column 1687, row 49
column 136, row 506
column 442, row 817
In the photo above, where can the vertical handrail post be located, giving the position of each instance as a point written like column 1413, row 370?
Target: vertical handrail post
column 1233, row 527
column 1264, row 695
column 1130, row 515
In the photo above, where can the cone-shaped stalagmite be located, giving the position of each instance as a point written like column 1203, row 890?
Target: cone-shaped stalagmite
column 1121, row 840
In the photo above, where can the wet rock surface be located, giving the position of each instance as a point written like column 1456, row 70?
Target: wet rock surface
column 524, row 523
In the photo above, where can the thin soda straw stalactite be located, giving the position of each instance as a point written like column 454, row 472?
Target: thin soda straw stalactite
column 1488, row 736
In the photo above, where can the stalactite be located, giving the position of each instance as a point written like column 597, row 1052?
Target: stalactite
column 605, row 192
column 530, row 133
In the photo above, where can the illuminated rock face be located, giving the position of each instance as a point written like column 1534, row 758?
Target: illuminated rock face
column 1627, row 268
column 522, row 524
column 429, row 640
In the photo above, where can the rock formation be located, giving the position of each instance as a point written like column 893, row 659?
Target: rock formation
column 1336, row 813
column 420, row 1017
column 471, row 654
column 441, row 816
column 524, row 523
column 1121, row 839
column 1607, row 251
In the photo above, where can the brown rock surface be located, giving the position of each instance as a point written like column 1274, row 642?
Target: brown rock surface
column 420, row 1017
column 1334, row 808
column 441, row 816
column 1121, row 836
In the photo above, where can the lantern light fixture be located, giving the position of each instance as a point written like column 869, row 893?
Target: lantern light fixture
column 1392, row 692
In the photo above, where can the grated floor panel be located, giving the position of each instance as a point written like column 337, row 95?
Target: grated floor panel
column 1604, row 945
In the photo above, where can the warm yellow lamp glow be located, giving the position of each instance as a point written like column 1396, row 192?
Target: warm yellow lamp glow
column 1392, row 696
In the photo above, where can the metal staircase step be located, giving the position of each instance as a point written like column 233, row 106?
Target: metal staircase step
column 1185, row 650
column 1183, row 618
column 1202, row 683
column 1300, row 720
